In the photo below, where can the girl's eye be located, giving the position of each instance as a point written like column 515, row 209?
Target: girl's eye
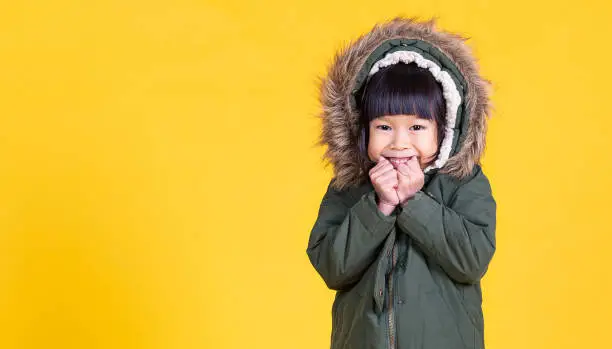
column 383, row 127
column 417, row 127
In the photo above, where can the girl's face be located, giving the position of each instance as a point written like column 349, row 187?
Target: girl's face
column 399, row 137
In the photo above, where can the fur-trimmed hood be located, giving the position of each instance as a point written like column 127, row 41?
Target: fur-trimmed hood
column 447, row 57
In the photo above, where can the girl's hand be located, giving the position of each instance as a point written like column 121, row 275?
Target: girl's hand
column 385, row 181
column 410, row 179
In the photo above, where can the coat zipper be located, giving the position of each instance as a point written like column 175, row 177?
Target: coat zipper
column 391, row 314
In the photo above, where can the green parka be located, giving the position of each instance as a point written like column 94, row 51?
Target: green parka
column 411, row 279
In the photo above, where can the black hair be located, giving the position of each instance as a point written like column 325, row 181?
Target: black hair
column 399, row 89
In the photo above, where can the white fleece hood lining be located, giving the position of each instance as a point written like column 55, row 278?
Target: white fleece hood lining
column 449, row 91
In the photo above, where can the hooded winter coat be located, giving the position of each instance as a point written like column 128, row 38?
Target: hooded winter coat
column 410, row 279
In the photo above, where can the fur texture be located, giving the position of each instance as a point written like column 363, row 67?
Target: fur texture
column 340, row 122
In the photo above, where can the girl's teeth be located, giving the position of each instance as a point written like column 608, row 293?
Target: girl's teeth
column 398, row 161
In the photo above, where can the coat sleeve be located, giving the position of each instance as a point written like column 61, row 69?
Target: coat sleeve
column 344, row 241
column 461, row 237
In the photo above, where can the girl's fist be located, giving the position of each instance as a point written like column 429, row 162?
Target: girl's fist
column 410, row 179
column 385, row 181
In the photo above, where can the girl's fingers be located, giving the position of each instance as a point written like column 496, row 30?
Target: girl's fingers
column 385, row 173
column 381, row 161
column 403, row 169
column 388, row 176
column 389, row 182
column 412, row 169
column 391, row 173
column 404, row 172
column 413, row 163
column 375, row 168
column 376, row 172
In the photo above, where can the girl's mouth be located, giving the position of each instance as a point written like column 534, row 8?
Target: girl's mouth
column 397, row 161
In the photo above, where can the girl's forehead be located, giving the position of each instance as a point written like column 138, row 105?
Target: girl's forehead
column 401, row 118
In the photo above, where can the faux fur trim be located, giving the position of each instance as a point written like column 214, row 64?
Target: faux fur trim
column 340, row 122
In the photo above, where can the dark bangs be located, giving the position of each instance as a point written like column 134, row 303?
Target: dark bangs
column 402, row 89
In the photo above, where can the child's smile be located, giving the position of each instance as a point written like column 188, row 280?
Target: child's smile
column 396, row 161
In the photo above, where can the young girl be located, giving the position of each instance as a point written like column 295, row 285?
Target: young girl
column 406, row 229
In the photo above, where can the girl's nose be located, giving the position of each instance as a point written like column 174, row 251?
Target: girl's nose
column 401, row 141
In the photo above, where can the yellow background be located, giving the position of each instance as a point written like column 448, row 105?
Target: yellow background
column 158, row 179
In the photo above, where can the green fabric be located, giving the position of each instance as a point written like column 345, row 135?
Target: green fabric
column 442, row 241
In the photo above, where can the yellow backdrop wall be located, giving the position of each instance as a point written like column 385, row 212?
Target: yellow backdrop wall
column 158, row 179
